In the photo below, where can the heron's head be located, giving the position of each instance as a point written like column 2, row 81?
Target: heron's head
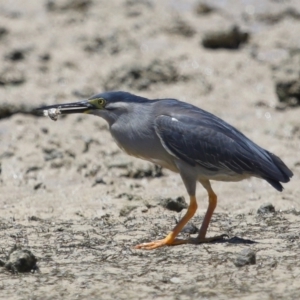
column 109, row 105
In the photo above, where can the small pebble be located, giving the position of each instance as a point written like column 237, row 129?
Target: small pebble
column 174, row 204
column 266, row 208
column 175, row 280
column 245, row 257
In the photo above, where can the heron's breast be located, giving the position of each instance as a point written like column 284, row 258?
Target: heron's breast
column 144, row 145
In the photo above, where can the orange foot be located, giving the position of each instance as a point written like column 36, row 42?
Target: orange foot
column 168, row 241
column 160, row 243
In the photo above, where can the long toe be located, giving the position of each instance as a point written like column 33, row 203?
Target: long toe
column 161, row 243
column 217, row 238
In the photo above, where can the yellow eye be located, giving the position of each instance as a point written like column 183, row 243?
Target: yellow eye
column 100, row 102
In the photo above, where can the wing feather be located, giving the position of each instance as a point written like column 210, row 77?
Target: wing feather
column 208, row 147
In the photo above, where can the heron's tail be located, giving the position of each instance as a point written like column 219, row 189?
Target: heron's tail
column 283, row 173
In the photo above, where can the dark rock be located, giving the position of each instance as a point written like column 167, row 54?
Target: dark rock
column 3, row 32
column 51, row 154
column 34, row 218
column 77, row 5
column 141, row 77
column 44, row 130
column 177, row 204
column 266, row 208
column 38, row 186
column 203, row 8
column 16, row 55
column 189, row 228
column 33, row 169
column 228, row 39
column 45, row 57
column 6, row 154
column 245, row 257
column 20, row 261
column 98, row 180
column 288, row 91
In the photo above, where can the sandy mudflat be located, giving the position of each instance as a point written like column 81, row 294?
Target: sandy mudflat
column 72, row 197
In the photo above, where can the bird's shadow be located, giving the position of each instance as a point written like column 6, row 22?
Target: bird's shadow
column 234, row 240
column 190, row 228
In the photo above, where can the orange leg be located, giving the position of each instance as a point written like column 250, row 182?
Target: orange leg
column 170, row 239
column 212, row 203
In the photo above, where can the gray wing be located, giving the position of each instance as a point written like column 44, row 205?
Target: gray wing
column 204, row 145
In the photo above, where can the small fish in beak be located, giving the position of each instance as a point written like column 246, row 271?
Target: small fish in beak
column 52, row 113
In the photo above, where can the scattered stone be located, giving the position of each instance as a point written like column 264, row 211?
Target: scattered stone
column 145, row 171
column 20, row 260
column 128, row 196
column 52, row 153
column 114, row 43
column 190, row 228
column 288, row 91
column 15, row 55
column 177, row 204
column 33, row 169
column 181, row 28
column 3, row 32
column 245, row 257
column 121, row 163
column 273, row 18
column 204, row 8
column 38, row 186
column 77, row 5
column 87, row 143
column 266, row 209
column 135, row 8
column 175, row 280
column 125, row 211
column 92, row 170
column 97, row 181
column 6, row 154
column 228, row 39
column 44, row 130
column 45, row 57
column 141, row 77
column 34, row 218
column 12, row 76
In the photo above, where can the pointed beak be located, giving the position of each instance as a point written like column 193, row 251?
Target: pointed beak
column 70, row 108
column 53, row 111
